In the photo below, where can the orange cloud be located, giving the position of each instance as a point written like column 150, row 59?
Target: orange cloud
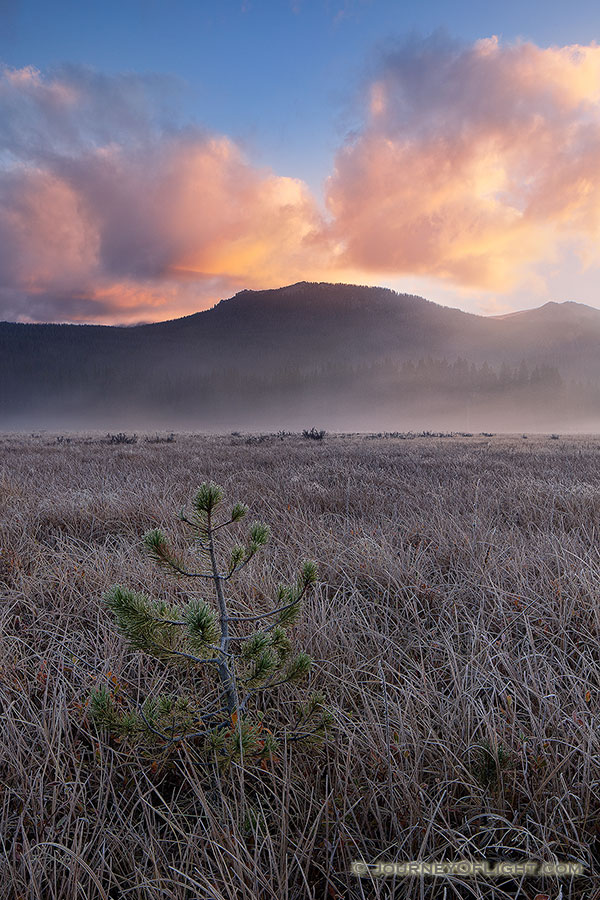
column 155, row 223
column 474, row 163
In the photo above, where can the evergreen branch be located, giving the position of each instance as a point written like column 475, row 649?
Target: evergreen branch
column 213, row 715
column 150, row 727
column 173, row 739
column 158, row 549
column 302, row 736
column 238, row 512
column 222, row 525
column 104, row 712
column 138, row 618
column 197, row 526
column 298, row 668
column 208, row 497
column 177, row 568
column 315, row 704
column 259, row 534
column 257, row 643
column 272, row 612
column 202, row 625
column 160, row 552
column 198, row 734
column 239, row 567
column 195, row 659
column 248, row 637
column 257, row 537
column 264, row 664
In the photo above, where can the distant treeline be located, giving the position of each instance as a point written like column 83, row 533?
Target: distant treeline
column 386, row 379
column 393, row 389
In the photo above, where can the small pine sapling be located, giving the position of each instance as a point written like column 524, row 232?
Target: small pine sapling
column 201, row 637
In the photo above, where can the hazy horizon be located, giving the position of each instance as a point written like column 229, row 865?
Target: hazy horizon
column 341, row 357
column 425, row 152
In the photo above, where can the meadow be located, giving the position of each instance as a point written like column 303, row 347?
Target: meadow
column 455, row 633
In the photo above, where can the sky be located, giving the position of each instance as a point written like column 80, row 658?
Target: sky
column 156, row 157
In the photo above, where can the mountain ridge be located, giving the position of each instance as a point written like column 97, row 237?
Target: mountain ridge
column 372, row 290
column 329, row 345
column 552, row 306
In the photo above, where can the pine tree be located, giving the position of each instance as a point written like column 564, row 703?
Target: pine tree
column 201, row 637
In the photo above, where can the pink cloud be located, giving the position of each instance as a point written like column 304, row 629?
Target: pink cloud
column 155, row 223
column 473, row 163
column 473, row 166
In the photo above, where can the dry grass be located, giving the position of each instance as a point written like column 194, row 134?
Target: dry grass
column 459, row 608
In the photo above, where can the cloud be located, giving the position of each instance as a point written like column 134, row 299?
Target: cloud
column 106, row 202
column 477, row 167
column 473, row 163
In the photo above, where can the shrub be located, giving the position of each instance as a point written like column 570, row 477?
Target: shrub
column 121, row 438
column 201, row 638
column 160, row 439
column 313, row 435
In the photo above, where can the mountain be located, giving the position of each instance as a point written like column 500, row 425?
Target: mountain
column 564, row 334
column 353, row 356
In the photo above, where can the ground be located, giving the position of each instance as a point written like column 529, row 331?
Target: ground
column 454, row 633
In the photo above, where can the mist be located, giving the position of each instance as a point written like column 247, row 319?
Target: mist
column 339, row 357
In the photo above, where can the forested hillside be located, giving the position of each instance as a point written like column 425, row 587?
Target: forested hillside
column 352, row 357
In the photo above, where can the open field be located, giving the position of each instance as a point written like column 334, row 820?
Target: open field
column 459, row 610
